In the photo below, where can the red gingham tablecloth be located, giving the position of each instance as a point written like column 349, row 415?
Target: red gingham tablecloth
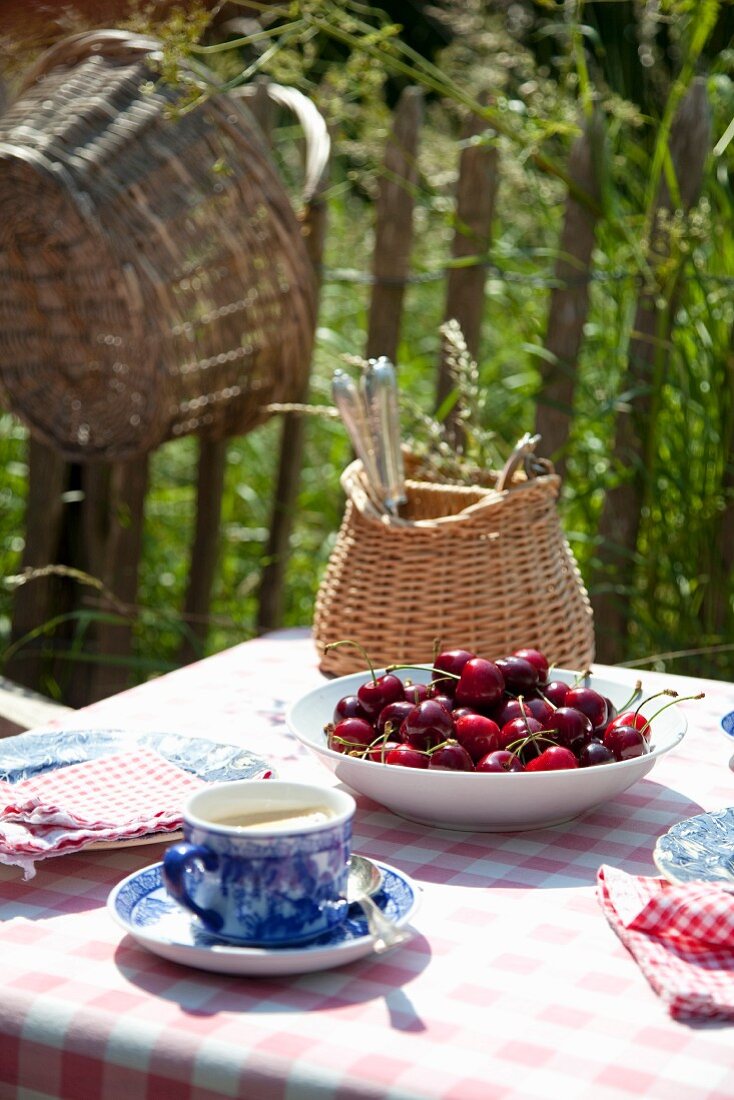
column 514, row 985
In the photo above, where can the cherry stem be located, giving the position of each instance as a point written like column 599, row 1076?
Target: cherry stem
column 525, row 713
column 539, row 735
column 442, row 674
column 665, row 691
column 633, row 696
column 362, row 650
column 677, row 699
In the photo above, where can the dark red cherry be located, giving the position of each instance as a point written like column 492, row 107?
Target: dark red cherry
column 394, row 713
column 594, row 753
column 570, row 725
column 554, row 758
column 520, row 675
column 500, row 761
column 427, row 724
column 479, row 735
column 589, row 702
column 349, row 707
column 625, row 742
column 480, row 685
column 416, row 693
column 407, row 757
column 351, row 734
column 451, row 661
column 515, row 708
column 376, row 694
column 518, row 728
column 536, row 658
column 555, row 692
column 451, row 757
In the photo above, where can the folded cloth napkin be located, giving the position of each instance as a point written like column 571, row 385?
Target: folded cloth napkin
column 111, row 798
column 681, row 936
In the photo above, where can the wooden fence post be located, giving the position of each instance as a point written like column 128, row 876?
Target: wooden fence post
column 476, row 194
column 115, row 503
column 34, row 602
column 394, row 226
column 619, row 525
column 569, row 300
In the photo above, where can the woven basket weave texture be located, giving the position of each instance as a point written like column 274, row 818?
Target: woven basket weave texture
column 466, row 567
column 154, row 281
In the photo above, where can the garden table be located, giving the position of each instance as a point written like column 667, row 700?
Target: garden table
column 514, row 985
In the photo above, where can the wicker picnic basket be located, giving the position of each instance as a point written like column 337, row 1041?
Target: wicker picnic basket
column 154, row 277
column 465, row 566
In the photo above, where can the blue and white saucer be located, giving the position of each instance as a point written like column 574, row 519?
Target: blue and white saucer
column 141, row 904
column 698, row 849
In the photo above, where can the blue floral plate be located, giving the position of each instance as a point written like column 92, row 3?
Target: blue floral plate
column 141, row 904
column 699, row 848
column 31, row 754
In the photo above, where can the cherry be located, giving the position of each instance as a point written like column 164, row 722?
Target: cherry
column 377, row 693
column 461, row 712
column 518, row 728
column 444, row 699
column 451, row 756
column 479, row 735
column 407, row 757
column 554, row 758
column 393, row 713
column 480, row 685
column 378, row 752
column 570, row 724
column 349, row 707
column 555, row 692
column 520, row 675
column 595, row 753
column 451, row 661
column 416, row 693
column 630, row 718
column 516, row 708
column 350, row 734
column 625, row 742
column 502, row 760
column 536, row 658
column 427, row 724
column 589, row 702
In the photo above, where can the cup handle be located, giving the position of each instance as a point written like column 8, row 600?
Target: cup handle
column 176, row 861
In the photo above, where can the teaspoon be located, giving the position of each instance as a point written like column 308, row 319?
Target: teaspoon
column 364, row 880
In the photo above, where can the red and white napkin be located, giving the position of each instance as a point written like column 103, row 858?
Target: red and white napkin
column 682, row 937
column 111, row 798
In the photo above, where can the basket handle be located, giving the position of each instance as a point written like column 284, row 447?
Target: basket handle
column 313, row 124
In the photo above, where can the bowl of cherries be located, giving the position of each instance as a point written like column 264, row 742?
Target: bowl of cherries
column 488, row 745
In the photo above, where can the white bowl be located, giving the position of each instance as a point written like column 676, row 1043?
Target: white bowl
column 474, row 801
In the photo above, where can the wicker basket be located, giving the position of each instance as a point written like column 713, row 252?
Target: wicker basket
column 154, row 277
column 470, row 567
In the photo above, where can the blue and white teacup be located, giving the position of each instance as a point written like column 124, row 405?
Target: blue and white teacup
column 263, row 862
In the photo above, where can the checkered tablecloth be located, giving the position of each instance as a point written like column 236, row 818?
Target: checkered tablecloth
column 514, row 986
